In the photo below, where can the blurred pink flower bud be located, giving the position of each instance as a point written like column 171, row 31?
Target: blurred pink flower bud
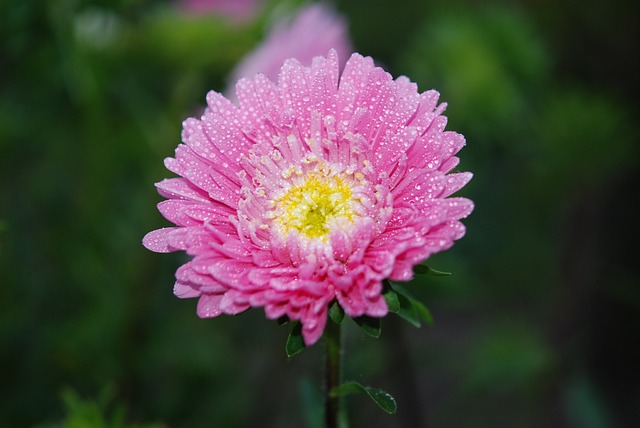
column 313, row 31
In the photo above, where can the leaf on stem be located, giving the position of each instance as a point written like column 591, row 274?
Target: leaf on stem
column 423, row 311
column 408, row 312
column 411, row 309
column 383, row 399
column 369, row 325
column 336, row 313
column 391, row 297
column 426, row 270
column 295, row 342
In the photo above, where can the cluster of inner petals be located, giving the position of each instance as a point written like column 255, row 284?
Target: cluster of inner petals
column 297, row 192
column 314, row 205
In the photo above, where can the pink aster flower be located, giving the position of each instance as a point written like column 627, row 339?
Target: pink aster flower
column 311, row 32
column 312, row 189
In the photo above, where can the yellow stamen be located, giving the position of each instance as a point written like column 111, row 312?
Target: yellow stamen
column 312, row 207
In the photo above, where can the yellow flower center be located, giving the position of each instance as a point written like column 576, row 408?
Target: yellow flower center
column 315, row 207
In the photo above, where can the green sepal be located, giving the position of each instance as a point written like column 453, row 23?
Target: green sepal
column 336, row 313
column 295, row 342
column 411, row 309
column 283, row 320
column 391, row 297
column 408, row 311
column 383, row 399
column 369, row 325
column 423, row 311
column 426, row 270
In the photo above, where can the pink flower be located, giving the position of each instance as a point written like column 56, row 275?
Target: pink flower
column 312, row 189
column 313, row 31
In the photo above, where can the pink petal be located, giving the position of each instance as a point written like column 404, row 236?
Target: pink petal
column 180, row 188
column 157, row 240
column 190, row 277
column 377, row 307
column 458, row 208
column 313, row 326
column 402, row 271
column 184, row 291
column 233, row 303
column 209, row 305
column 455, row 182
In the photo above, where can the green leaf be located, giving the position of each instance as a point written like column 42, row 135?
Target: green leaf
column 408, row 311
column 391, row 297
column 336, row 313
column 295, row 342
column 383, row 399
column 412, row 309
column 423, row 311
column 369, row 325
column 426, row 270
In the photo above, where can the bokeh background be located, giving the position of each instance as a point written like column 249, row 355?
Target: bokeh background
column 537, row 326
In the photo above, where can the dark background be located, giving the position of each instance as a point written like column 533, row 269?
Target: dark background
column 537, row 326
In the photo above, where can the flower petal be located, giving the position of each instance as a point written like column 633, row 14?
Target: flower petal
column 157, row 240
column 209, row 305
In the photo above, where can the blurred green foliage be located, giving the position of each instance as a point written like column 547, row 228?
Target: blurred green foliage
column 83, row 413
column 537, row 326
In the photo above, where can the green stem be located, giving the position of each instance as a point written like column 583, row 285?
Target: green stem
column 333, row 345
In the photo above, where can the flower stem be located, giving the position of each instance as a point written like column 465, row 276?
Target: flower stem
column 333, row 345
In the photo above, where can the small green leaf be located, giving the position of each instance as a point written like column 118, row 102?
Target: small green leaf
column 423, row 311
column 391, row 297
column 426, row 270
column 295, row 342
column 412, row 309
column 282, row 320
column 383, row 399
column 408, row 311
column 336, row 313
column 369, row 325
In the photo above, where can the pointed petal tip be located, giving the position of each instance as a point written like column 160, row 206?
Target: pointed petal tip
column 209, row 305
column 184, row 291
column 156, row 240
